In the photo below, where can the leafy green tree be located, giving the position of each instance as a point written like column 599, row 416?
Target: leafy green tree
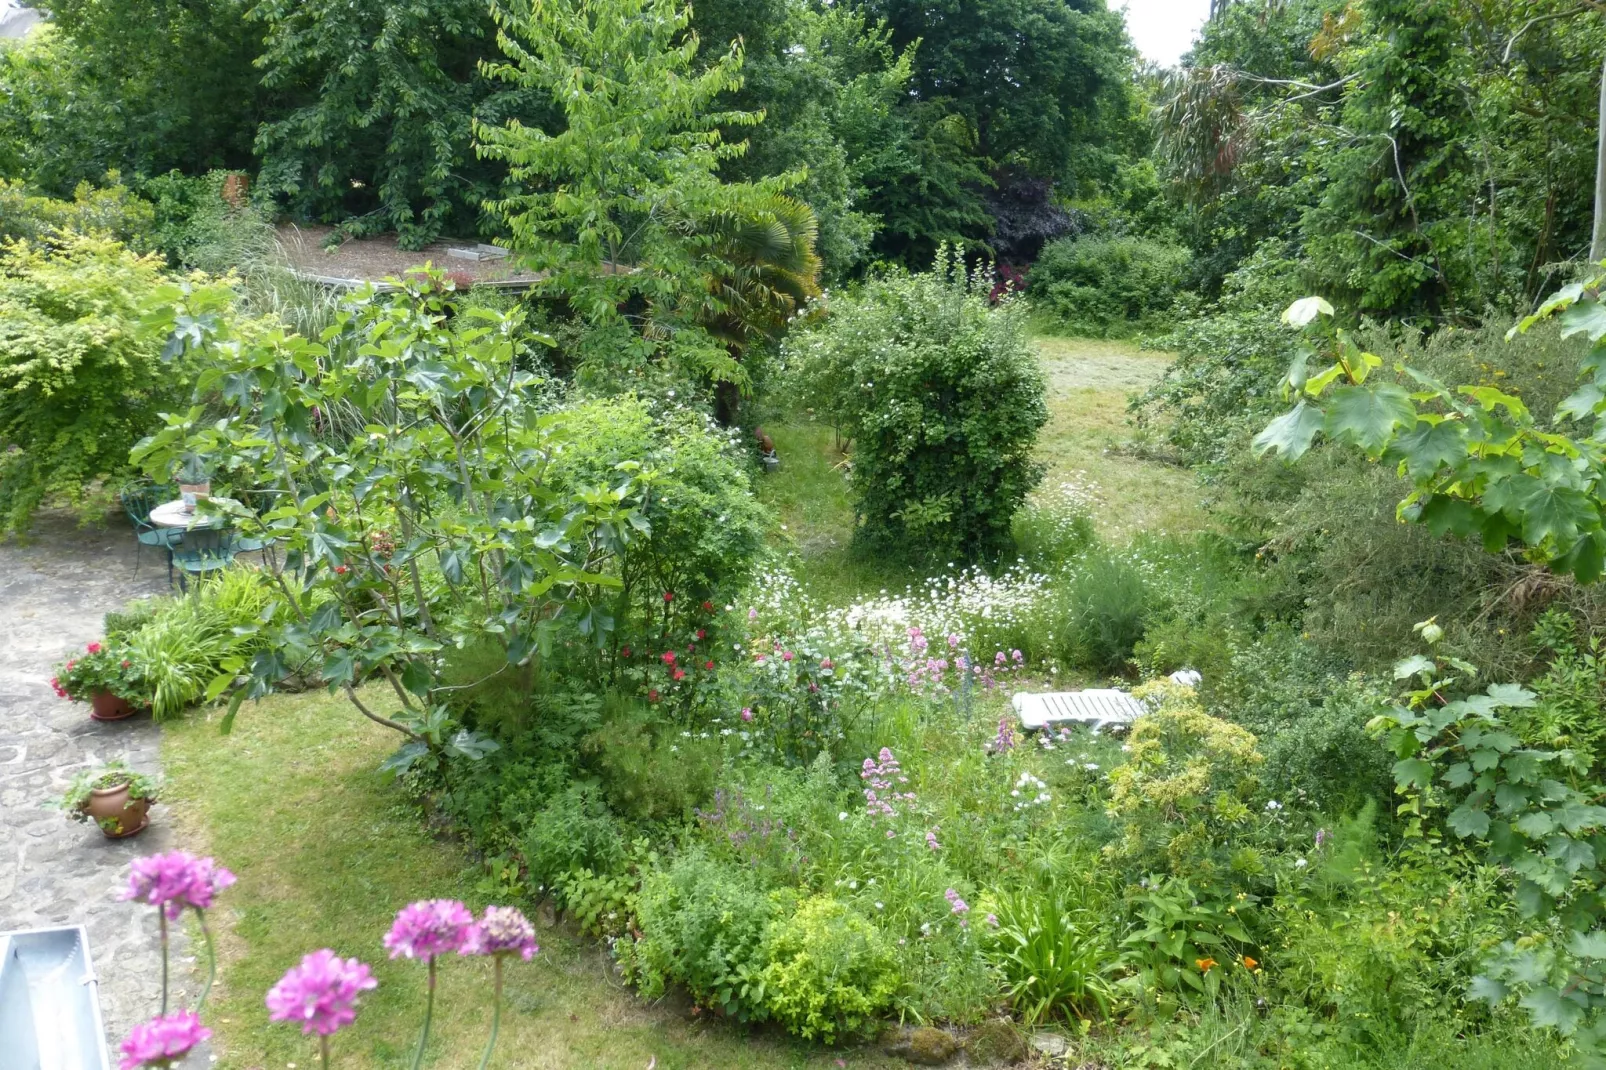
column 405, row 468
column 382, row 98
column 622, row 211
column 172, row 79
column 1042, row 83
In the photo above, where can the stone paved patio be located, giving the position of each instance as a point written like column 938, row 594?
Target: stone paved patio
column 53, row 593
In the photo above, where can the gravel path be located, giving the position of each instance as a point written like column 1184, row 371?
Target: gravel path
column 53, row 593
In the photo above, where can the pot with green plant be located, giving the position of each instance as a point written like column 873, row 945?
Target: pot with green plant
column 113, row 797
column 194, row 481
column 107, row 677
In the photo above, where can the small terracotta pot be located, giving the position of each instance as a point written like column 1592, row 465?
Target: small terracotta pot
column 115, row 814
column 194, row 492
column 105, row 706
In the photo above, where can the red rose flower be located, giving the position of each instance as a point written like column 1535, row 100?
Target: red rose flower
column 669, row 657
column 93, row 648
column 625, row 652
column 679, row 675
column 669, row 596
column 702, row 633
column 652, row 696
column 708, row 665
column 708, row 607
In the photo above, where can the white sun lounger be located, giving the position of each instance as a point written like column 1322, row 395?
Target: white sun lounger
column 1097, row 708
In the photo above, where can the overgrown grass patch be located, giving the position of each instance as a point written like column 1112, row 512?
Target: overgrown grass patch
column 293, row 802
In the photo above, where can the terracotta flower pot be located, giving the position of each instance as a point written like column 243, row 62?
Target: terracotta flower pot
column 194, row 492
column 105, row 706
column 115, row 814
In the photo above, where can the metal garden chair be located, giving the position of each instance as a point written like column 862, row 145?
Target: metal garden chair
column 138, row 500
column 199, row 551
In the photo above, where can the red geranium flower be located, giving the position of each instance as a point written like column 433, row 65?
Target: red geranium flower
column 625, row 652
column 93, row 648
column 702, row 633
column 669, row 596
column 708, row 665
column 652, row 696
column 669, row 657
column 679, row 674
column 708, row 607
column 341, row 570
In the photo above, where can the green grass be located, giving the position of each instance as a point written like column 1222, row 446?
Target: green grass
column 293, row 803
column 1089, row 384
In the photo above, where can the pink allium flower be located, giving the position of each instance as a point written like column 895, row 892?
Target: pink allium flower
column 321, row 993
column 752, row 614
column 93, row 648
column 163, row 1039
column 176, row 880
column 931, row 840
column 428, row 928
column 503, row 931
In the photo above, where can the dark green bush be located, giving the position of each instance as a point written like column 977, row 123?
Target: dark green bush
column 1309, row 713
column 702, row 926
column 941, row 395
column 574, row 830
column 1107, row 286
column 649, row 769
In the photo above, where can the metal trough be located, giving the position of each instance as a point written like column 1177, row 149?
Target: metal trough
column 49, row 1002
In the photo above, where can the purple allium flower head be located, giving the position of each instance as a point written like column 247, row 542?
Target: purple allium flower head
column 956, row 904
column 931, row 840
column 428, row 928
column 321, row 993
column 176, row 880
column 502, row 931
column 160, row 1041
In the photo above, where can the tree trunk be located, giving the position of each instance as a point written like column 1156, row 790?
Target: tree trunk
column 1597, row 246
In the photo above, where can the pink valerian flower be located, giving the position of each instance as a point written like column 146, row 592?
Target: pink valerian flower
column 747, row 713
column 428, row 928
column 953, row 641
column 752, row 614
column 321, row 993
column 162, row 1040
column 1005, row 740
column 991, row 920
column 883, row 774
column 503, row 931
column 175, row 880
column 956, row 904
column 931, row 840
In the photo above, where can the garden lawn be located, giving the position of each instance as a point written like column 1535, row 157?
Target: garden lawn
column 1089, row 383
column 326, row 852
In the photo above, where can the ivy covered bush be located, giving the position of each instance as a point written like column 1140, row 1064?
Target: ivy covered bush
column 939, row 392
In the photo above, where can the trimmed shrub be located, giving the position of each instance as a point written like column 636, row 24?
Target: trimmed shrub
column 941, row 395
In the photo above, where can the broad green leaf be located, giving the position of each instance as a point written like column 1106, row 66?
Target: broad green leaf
column 1468, row 823
column 1369, row 415
column 1585, row 317
column 1291, row 433
column 1431, row 446
column 1413, row 772
column 1512, row 696
column 1548, row 1008
column 1580, row 404
column 1411, row 666
column 1590, row 945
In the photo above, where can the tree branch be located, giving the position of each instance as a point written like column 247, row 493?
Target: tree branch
column 351, row 693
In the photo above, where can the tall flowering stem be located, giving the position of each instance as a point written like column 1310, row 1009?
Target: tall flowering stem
column 501, row 931
column 211, row 958
column 425, row 930
column 170, row 882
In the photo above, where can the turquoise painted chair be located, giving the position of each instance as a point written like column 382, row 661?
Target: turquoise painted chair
column 138, row 500
column 200, row 551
